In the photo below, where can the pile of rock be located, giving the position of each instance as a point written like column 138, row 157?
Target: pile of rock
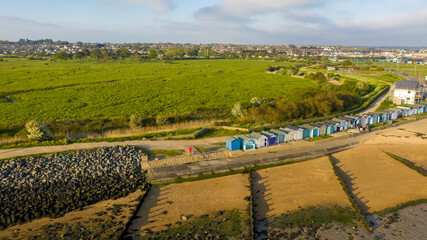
column 35, row 187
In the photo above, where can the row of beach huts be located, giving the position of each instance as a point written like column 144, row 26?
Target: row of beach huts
column 293, row 133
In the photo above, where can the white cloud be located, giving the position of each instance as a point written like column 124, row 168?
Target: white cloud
column 244, row 8
column 397, row 21
column 160, row 6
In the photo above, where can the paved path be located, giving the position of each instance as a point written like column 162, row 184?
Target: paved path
column 381, row 99
column 294, row 151
column 269, row 156
column 157, row 144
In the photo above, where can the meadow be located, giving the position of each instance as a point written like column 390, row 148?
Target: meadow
column 68, row 90
column 411, row 69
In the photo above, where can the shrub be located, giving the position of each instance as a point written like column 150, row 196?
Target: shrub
column 38, row 131
column 135, row 122
column 237, row 110
column 162, row 120
column 256, row 101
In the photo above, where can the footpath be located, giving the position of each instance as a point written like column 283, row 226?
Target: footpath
column 269, row 156
column 278, row 154
column 148, row 144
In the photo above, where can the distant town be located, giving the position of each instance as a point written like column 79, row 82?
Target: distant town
column 48, row 47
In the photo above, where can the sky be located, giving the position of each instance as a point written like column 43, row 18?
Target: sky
column 300, row 22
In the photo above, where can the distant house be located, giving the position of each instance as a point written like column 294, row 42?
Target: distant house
column 331, row 68
column 233, row 143
column 247, row 142
column 408, row 92
column 260, row 140
column 272, row 138
column 298, row 132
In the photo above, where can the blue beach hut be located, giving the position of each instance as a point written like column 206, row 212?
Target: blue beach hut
column 233, row 143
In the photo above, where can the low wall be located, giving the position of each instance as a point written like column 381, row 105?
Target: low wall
column 238, row 164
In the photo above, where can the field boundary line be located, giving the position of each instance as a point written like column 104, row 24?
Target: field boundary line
column 132, row 218
column 407, row 163
column 349, row 194
column 251, row 205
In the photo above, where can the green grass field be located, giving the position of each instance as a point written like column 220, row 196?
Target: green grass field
column 411, row 69
column 62, row 90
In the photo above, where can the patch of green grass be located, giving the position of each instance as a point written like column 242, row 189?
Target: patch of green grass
column 205, row 149
column 32, row 144
column 402, row 206
column 313, row 139
column 210, row 133
column 112, row 139
column 166, row 153
column 377, row 125
column 117, row 89
column 218, row 144
column 387, row 104
column 388, row 77
column 315, row 216
column 221, row 225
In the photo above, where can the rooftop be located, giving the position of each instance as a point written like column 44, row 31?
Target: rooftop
column 407, row 85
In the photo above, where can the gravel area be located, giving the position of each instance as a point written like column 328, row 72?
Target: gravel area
column 52, row 185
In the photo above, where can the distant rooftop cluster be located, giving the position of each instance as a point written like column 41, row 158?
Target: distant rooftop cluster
column 49, row 47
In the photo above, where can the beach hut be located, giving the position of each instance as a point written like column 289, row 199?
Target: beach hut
column 233, row 143
column 363, row 120
column 272, row 138
column 260, row 140
column 298, row 132
column 337, row 125
column 307, row 132
column 354, row 121
column 329, row 128
column 323, row 128
column 314, row 130
column 281, row 135
column 423, row 107
column 420, row 109
column 247, row 142
column 398, row 112
column 345, row 122
column 375, row 117
column 289, row 136
column 369, row 119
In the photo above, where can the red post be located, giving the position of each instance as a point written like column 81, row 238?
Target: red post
column 190, row 149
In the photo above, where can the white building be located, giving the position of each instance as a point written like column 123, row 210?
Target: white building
column 408, row 92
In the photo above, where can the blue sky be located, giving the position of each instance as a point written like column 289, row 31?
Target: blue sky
column 321, row 22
